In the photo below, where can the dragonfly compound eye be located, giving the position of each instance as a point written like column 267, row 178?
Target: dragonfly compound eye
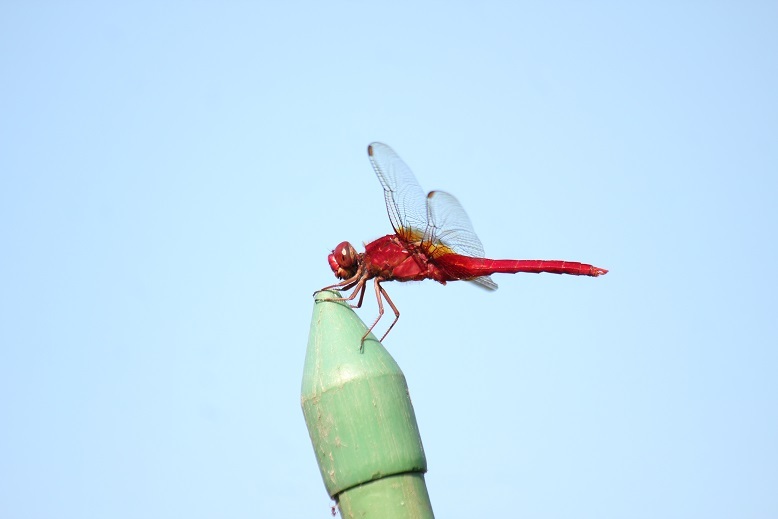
column 345, row 254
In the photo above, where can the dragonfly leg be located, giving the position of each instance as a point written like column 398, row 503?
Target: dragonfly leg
column 338, row 286
column 347, row 285
column 361, row 289
column 381, row 294
column 357, row 280
column 378, row 290
column 394, row 309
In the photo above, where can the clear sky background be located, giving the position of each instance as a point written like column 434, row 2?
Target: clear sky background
column 173, row 176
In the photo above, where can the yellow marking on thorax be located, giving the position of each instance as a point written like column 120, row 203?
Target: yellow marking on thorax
column 433, row 250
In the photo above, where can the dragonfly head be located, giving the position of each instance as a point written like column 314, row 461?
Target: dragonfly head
column 344, row 260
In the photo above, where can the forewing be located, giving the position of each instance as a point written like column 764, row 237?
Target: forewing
column 405, row 201
column 450, row 230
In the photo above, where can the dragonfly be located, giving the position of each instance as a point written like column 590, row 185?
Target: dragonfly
column 433, row 239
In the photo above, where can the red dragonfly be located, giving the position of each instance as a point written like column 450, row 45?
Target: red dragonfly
column 433, row 239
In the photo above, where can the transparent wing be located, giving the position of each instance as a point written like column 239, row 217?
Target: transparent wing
column 484, row 282
column 449, row 230
column 405, row 200
column 436, row 222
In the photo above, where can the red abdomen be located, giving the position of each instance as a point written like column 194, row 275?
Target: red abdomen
column 464, row 267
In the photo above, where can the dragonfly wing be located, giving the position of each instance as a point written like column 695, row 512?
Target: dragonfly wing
column 450, row 226
column 450, row 231
column 405, row 200
column 436, row 220
column 484, row 282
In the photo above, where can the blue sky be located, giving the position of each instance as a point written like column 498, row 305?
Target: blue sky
column 173, row 176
